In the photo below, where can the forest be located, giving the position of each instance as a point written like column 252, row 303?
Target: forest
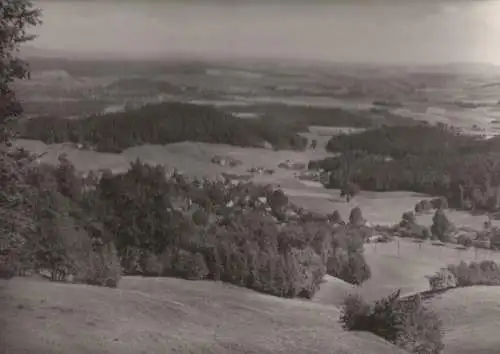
column 434, row 159
column 152, row 223
column 279, row 126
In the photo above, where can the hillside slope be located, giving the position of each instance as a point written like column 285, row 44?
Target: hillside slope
column 169, row 316
column 470, row 317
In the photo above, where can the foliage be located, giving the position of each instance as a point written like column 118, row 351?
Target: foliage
column 16, row 17
column 405, row 322
column 473, row 273
column 65, row 240
column 441, row 227
column 407, row 219
column 349, row 190
column 347, row 261
column 356, row 217
column 462, row 169
column 399, row 141
column 150, row 217
column 162, row 123
column 443, row 279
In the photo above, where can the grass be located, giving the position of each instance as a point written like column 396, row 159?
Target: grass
column 391, row 271
column 470, row 318
column 170, row 316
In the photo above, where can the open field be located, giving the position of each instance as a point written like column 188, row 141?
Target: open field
column 169, row 316
column 402, row 266
column 470, row 317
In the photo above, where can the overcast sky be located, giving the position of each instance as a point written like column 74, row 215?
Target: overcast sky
column 413, row 31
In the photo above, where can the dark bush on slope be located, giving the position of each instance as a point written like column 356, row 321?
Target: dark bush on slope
column 406, row 322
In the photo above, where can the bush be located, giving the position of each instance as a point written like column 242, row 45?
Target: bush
column 103, row 268
column 404, row 322
column 336, row 218
column 483, row 273
column 441, row 227
column 423, row 206
column 355, row 315
column 439, row 203
column 465, row 240
column 443, row 279
column 347, row 261
column 350, row 190
column 356, row 217
column 407, row 219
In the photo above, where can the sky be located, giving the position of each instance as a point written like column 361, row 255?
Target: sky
column 385, row 32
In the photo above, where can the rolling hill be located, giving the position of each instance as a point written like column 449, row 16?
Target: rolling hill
column 169, row 316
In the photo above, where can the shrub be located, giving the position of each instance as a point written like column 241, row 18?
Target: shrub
column 441, row 227
column 346, row 260
column 443, row 279
column 349, row 190
column 356, row 217
column 416, row 231
column 465, row 240
column 484, row 273
column 423, row 206
column 188, row 265
column 404, row 322
column 407, row 219
column 439, row 203
column 103, row 268
column 355, row 313
column 336, row 218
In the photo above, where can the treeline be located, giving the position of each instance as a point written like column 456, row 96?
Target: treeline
column 402, row 141
column 146, row 222
column 436, row 160
column 304, row 116
column 465, row 274
column 162, row 123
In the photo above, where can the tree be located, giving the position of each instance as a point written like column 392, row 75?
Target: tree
column 356, row 217
column 349, row 190
column 407, row 219
column 16, row 16
column 69, row 184
column 441, row 226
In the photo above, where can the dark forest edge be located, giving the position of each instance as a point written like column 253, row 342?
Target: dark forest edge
column 432, row 159
column 164, row 123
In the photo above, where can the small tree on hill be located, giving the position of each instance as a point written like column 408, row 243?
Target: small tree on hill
column 407, row 219
column 441, row 227
column 349, row 191
column 356, row 217
column 336, row 218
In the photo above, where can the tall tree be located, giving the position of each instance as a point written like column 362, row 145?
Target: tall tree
column 16, row 16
